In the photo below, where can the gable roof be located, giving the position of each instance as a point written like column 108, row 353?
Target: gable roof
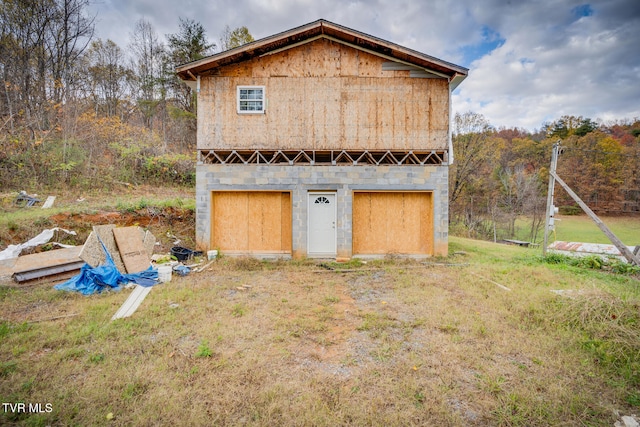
column 325, row 29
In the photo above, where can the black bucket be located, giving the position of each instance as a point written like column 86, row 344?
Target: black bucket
column 183, row 254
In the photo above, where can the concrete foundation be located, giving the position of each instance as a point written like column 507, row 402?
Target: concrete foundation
column 342, row 179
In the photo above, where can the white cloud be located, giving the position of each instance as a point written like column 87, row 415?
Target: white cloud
column 565, row 64
column 553, row 57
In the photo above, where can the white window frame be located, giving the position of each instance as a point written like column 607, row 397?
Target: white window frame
column 262, row 99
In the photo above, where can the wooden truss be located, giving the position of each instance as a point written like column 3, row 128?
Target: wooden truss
column 315, row 157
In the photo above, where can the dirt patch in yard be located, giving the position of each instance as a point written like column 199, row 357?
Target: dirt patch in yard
column 170, row 225
column 167, row 224
column 166, row 212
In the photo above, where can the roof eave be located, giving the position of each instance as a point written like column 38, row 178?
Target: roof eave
column 321, row 27
column 456, row 80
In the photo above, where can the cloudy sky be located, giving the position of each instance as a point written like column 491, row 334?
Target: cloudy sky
column 530, row 61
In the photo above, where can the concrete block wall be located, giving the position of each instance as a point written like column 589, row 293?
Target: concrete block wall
column 343, row 179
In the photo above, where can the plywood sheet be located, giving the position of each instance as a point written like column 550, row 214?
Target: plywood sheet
column 251, row 222
column 265, row 215
column 392, row 222
column 229, row 224
column 92, row 252
column 286, row 222
column 131, row 247
column 149, row 243
column 47, row 259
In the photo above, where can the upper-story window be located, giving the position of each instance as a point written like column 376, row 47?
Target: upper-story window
column 251, row 99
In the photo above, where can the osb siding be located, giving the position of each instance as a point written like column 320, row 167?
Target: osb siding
column 324, row 96
column 251, row 222
column 392, row 222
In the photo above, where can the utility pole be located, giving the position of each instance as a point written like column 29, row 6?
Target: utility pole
column 549, row 220
column 624, row 250
column 551, row 211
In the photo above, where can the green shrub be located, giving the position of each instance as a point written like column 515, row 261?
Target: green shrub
column 178, row 169
column 204, row 350
column 621, row 267
column 593, row 262
column 570, row 210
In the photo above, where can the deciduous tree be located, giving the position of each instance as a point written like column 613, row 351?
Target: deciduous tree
column 234, row 38
column 471, row 146
column 109, row 77
column 148, row 61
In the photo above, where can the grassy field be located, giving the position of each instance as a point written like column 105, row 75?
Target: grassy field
column 582, row 229
column 474, row 339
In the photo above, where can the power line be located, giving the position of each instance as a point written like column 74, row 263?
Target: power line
column 615, row 153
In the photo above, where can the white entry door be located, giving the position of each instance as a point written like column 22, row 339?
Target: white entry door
column 322, row 225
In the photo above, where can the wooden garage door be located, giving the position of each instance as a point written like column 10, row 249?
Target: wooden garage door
column 251, row 222
column 392, row 222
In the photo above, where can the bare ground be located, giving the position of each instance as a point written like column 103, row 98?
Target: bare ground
column 124, row 207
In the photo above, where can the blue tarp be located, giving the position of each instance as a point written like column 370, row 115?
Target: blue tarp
column 92, row 280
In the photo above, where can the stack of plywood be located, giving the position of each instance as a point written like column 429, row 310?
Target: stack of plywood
column 53, row 265
column 130, row 247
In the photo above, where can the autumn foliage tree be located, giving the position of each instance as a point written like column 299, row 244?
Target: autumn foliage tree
column 234, row 38
column 72, row 104
column 498, row 180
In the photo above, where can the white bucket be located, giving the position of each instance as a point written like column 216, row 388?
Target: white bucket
column 211, row 255
column 164, row 273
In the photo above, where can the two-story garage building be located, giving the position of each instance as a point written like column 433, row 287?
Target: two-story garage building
column 322, row 141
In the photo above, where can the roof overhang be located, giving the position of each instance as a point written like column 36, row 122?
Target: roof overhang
column 324, row 29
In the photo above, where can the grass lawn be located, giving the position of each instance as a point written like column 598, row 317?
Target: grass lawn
column 582, row 229
column 478, row 339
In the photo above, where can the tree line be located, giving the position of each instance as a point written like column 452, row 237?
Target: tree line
column 498, row 182
column 73, row 105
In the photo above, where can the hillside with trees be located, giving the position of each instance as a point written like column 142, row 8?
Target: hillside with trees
column 499, row 177
column 74, row 107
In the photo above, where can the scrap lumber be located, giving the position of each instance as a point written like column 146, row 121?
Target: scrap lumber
column 132, row 249
column 135, row 247
column 49, row 263
column 491, row 281
column 149, row 242
column 49, row 202
column 92, row 252
column 132, row 303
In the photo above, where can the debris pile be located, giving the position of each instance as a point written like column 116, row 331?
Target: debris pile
column 110, row 254
column 581, row 249
column 27, row 200
column 114, row 257
column 54, row 265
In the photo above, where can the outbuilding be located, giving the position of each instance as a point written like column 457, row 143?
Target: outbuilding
column 322, row 141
